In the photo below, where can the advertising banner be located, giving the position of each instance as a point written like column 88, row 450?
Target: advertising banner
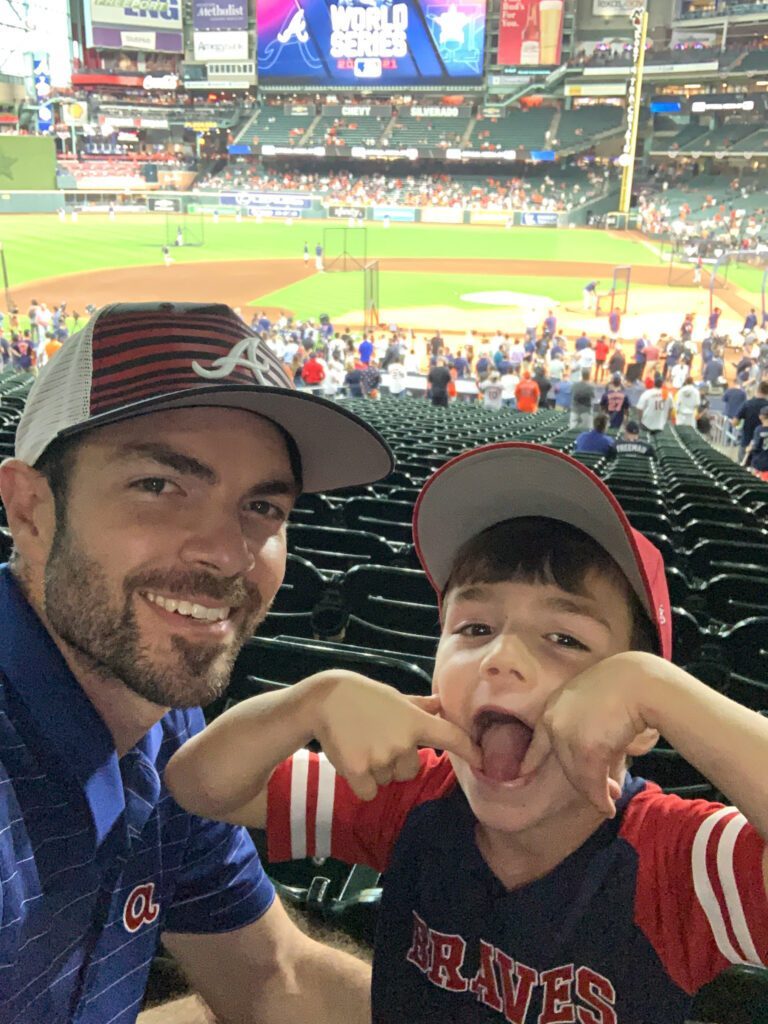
column 442, row 215
column 219, row 15
column 346, row 212
column 530, row 32
column 220, row 45
column 163, row 205
column 539, row 220
column 42, row 73
column 161, row 15
column 614, row 8
column 488, row 217
column 274, row 200
column 372, row 42
column 75, row 113
column 400, row 213
column 107, row 38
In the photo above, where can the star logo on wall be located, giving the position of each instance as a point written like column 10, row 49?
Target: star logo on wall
column 6, row 163
column 452, row 24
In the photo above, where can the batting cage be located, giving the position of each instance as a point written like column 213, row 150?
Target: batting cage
column 184, row 228
column 345, row 248
column 740, row 274
column 618, row 295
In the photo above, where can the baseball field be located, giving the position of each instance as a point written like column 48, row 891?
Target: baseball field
column 458, row 277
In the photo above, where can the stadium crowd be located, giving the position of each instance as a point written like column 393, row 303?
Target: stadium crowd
column 477, row 192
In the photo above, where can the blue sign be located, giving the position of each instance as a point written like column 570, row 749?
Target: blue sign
column 280, row 201
column 539, row 220
column 394, row 213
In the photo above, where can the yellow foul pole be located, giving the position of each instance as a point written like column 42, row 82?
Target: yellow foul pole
column 634, row 94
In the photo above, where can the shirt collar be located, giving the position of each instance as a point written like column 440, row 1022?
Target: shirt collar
column 59, row 708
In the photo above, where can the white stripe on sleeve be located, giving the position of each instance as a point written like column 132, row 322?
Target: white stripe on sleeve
column 703, row 887
column 326, row 788
column 299, row 776
column 730, row 888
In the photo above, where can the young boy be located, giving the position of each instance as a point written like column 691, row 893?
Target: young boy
column 529, row 877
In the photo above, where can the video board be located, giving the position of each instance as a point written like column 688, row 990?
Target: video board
column 371, row 42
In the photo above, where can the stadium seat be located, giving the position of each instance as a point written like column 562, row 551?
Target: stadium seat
column 337, row 549
column 299, row 593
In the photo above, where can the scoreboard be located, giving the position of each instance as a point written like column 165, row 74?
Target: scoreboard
column 371, row 42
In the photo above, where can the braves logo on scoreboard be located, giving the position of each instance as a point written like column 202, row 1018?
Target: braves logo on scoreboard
column 140, row 907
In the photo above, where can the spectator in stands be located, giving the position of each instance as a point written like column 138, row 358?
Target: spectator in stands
column 595, row 440
column 313, row 371
column 577, row 831
column 370, row 378
column 687, row 402
column 545, row 387
column 582, row 342
column 556, row 369
column 353, row 379
column 365, row 350
column 563, row 394
column 651, row 353
column 586, row 359
column 549, row 325
column 615, row 402
column 124, row 607
column 582, row 400
column 756, row 455
column 509, row 379
column 438, row 379
column 654, row 406
column 527, row 394
column 601, row 354
column 734, row 398
column 749, row 416
column 5, row 350
column 397, row 377
column 617, row 361
column 630, row 444
column 491, row 391
column 714, row 369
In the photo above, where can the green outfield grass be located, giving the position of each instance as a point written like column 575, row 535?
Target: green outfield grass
column 337, row 293
column 39, row 246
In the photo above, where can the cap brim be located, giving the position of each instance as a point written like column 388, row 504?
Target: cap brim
column 511, row 480
column 337, row 448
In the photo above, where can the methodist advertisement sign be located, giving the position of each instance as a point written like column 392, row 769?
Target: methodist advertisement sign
column 219, row 15
column 530, row 32
column 371, row 42
column 134, row 24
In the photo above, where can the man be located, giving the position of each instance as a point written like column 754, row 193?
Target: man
column 749, row 416
column 756, row 456
column 630, row 444
column 589, row 295
column 582, row 400
column 734, row 398
column 750, row 322
column 527, row 394
column 313, row 371
column 714, row 370
column 654, row 406
column 687, row 403
column 365, row 350
column 595, row 440
column 147, row 504
column 615, row 402
column 319, row 258
column 438, row 379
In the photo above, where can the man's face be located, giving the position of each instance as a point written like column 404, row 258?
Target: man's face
column 504, row 649
column 171, row 549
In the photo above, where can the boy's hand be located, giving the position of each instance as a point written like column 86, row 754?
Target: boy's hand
column 371, row 733
column 588, row 724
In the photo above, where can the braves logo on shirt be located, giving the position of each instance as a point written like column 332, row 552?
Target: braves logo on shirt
column 140, row 907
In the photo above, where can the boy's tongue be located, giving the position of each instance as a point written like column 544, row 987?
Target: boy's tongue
column 504, row 745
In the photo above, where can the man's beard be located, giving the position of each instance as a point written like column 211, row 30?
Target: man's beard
column 104, row 633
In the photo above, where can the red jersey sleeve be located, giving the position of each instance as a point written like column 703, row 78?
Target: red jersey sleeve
column 700, row 897
column 312, row 812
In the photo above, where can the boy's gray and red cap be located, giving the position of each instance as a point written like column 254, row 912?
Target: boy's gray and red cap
column 511, row 480
column 137, row 358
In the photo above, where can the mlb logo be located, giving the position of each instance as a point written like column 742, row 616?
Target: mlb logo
column 367, row 67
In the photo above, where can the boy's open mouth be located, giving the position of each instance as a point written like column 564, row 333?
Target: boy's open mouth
column 504, row 740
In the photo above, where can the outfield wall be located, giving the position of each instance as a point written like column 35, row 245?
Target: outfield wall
column 286, row 205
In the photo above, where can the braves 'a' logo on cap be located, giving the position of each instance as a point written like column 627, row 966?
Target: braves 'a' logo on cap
column 251, row 354
column 140, row 907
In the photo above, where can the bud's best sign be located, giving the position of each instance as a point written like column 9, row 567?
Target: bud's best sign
column 530, row 32
column 371, row 42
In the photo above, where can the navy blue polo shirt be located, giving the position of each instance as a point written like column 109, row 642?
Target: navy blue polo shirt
column 96, row 858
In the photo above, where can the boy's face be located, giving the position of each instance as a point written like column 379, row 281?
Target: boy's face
column 504, row 649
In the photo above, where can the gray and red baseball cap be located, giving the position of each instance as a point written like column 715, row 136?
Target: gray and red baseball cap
column 136, row 358
column 512, row 480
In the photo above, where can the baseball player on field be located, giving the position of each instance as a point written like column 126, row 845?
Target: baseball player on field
column 529, row 876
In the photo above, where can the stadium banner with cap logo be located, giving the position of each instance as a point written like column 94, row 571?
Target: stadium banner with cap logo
column 371, row 43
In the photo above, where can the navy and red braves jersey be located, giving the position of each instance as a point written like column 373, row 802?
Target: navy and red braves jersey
column 656, row 903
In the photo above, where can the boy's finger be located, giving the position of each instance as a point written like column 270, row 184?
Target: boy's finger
column 430, row 704
column 407, row 766
column 538, row 751
column 440, row 733
column 363, row 785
